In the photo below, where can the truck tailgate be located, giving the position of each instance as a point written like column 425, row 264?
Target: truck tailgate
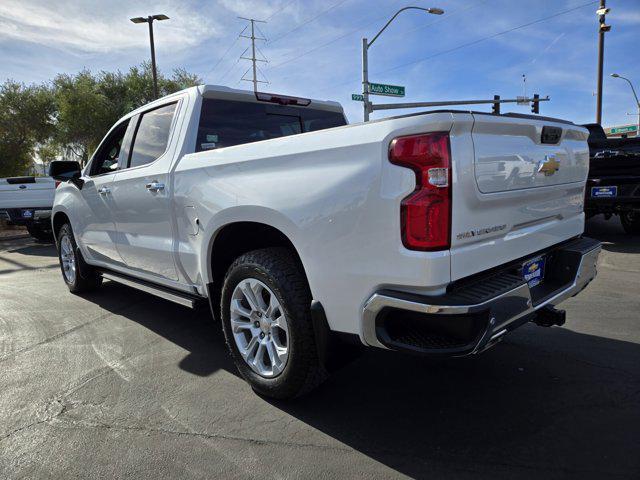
column 27, row 192
column 516, row 191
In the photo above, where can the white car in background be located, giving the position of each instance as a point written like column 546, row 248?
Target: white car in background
column 28, row 201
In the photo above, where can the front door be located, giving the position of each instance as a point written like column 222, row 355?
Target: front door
column 96, row 227
column 141, row 195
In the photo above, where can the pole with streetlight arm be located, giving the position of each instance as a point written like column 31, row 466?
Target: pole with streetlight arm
column 615, row 75
column 365, row 55
column 150, row 20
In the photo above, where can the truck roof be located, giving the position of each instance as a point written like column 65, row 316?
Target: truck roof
column 219, row 91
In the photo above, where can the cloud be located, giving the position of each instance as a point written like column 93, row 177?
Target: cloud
column 626, row 17
column 99, row 28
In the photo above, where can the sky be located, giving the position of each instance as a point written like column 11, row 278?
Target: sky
column 477, row 49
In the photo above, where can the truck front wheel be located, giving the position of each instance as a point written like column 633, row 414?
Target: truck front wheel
column 266, row 318
column 631, row 222
column 79, row 276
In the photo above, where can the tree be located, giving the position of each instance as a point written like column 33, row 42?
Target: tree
column 89, row 105
column 73, row 112
column 82, row 112
column 27, row 115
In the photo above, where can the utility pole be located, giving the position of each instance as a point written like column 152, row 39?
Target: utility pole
column 254, row 60
column 602, row 29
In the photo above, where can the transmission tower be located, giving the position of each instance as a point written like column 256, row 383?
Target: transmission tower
column 254, row 60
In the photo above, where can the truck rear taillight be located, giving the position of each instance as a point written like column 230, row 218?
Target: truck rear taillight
column 426, row 212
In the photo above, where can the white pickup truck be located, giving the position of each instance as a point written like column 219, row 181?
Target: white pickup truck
column 435, row 233
column 27, row 201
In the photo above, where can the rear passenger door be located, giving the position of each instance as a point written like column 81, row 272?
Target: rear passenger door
column 141, row 195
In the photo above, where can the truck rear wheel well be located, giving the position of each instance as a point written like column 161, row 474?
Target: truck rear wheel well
column 236, row 239
column 59, row 220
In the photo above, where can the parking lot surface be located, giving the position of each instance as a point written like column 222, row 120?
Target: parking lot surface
column 122, row 384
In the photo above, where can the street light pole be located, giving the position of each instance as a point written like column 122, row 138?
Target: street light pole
column 365, row 55
column 153, row 58
column 615, row 75
column 150, row 20
column 365, row 79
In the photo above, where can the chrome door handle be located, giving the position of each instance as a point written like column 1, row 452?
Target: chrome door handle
column 155, row 186
column 104, row 190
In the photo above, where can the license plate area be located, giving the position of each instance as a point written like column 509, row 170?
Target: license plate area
column 27, row 213
column 533, row 271
column 604, row 192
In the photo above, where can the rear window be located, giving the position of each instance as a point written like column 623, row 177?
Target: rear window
column 224, row 123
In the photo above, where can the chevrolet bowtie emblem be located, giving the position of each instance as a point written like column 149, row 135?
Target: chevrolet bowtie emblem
column 549, row 166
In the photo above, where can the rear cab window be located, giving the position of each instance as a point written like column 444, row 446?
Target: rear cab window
column 152, row 135
column 224, row 123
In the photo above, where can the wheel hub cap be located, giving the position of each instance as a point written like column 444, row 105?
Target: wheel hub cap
column 259, row 326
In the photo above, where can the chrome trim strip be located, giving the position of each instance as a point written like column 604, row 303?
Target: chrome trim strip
column 505, row 308
column 172, row 297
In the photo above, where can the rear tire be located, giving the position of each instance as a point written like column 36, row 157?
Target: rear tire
column 631, row 222
column 289, row 367
column 77, row 274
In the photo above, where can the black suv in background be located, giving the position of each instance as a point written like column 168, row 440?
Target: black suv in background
column 613, row 186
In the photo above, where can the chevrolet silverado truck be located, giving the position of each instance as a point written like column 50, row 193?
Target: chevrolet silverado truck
column 435, row 233
column 613, row 186
column 27, row 201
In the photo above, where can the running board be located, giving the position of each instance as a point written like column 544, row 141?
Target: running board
column 181, row 298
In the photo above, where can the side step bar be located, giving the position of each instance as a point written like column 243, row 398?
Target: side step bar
column 181, row 298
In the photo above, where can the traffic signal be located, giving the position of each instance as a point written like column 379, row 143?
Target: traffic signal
column 535, row 104
column 496, row 105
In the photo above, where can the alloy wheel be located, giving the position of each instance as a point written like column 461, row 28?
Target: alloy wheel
column 259, row 326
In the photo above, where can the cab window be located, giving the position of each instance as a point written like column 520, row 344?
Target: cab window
column 152, row 136
column 105, row 159
column 224, row 123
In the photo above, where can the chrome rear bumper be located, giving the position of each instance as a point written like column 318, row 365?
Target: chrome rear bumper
column 474, row 316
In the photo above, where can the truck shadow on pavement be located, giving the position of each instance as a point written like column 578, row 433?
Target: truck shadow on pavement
column 545, row 402
column 193, row 330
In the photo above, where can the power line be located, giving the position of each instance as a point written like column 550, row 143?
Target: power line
column 233, row 65
column 355, row 30
column 474, row 42
column 226, row 52
column 279, row 10
column 306, row 22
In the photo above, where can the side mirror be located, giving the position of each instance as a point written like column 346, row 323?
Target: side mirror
column 64, row 170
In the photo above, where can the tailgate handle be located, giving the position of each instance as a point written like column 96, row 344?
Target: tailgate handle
column 551, row 135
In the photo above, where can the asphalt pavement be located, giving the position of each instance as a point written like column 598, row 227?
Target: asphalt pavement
column 120, row 384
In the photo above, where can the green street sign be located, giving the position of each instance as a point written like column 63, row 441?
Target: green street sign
column 357, row 97
column 626, row 129
column 388, row 90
